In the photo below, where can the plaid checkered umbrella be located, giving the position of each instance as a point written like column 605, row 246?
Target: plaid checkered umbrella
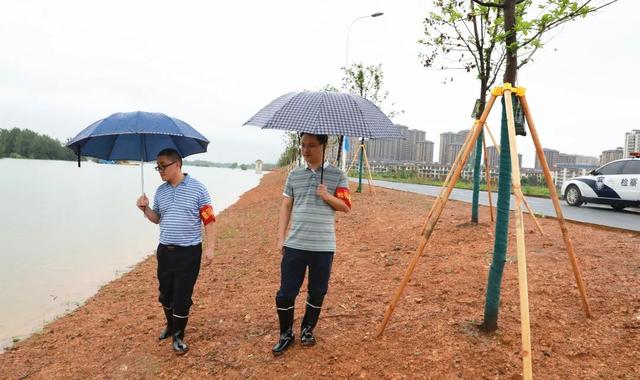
column 326, row 113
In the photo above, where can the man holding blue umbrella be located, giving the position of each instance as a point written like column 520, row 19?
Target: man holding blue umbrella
column 312, row 195
column 181, row 205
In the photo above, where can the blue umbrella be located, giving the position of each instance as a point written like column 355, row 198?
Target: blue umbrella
column 326, row 113
column 137, row 136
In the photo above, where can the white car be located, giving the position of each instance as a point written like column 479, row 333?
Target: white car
column 616, row 183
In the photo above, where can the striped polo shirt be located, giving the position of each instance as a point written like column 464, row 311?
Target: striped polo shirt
column 312, row 219
column 179, row 210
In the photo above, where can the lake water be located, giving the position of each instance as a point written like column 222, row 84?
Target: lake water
column 66, row 231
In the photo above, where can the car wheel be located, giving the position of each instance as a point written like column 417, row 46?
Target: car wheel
column 618, row 206
column 572, row 196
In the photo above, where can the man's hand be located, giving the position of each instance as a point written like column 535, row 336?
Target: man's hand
column 142, row 202
column 208, row 256
column 321, row 191
column 281, row 246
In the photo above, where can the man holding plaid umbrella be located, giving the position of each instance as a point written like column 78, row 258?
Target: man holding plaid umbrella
column 310, row 202
column 314, row 193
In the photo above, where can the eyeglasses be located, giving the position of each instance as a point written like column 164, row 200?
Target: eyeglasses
column 303, row 147
column 161, row 168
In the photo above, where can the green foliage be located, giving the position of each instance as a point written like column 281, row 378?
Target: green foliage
column 234, row 165
column 411, row 176
column 243, row 167
column 17, row 143
column 368, row 82
column 291, row 150
column 469, row 35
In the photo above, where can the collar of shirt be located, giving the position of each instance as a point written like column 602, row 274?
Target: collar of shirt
column 326, row 163
column 184, row 181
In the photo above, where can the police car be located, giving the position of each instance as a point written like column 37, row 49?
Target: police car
column 616, row 183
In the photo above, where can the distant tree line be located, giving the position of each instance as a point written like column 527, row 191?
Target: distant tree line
column 24, row 143
column 231, row 165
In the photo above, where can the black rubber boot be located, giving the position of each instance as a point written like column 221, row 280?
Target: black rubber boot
column 179, row 325
column 168, row 330
column 310, row 320
column 285, row 316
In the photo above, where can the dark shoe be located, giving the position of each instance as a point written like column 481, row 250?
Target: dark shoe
column 310, row 320
column 179, row 325
column 168, row 330
column 286, row 339
column 306, row 337
column 179, row 346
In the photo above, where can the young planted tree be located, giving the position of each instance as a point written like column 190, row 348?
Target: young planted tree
column 486, row 38
column 368, row 82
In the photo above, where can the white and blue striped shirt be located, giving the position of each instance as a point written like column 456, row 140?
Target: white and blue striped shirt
column 179, row 210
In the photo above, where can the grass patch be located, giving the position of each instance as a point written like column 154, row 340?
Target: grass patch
column 404, row 177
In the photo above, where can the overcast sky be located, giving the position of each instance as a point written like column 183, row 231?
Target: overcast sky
column 66, row 64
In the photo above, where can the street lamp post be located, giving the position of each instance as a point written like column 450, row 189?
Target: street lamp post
column 346, row 65
column 377, row 14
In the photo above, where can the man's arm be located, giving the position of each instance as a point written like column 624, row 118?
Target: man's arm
column 143, row 205
column 210, row 242
column 333, row 201
column 283, row 220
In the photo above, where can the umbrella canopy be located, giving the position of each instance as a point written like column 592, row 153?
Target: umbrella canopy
column 326, row 113
column 137, row 136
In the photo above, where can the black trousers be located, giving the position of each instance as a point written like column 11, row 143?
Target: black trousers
column 178, row 269
column 293, row 268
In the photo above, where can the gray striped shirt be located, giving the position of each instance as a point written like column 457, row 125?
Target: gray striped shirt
column 312, row 219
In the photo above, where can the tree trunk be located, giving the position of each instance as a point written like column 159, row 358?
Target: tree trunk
column 494, row 284
column 492, row 304
column 511, row 68
column 477, row 166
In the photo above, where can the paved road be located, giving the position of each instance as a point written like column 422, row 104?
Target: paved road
column 629, row 219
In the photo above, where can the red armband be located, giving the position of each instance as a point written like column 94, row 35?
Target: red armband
column 344, row 194
column 206, row 214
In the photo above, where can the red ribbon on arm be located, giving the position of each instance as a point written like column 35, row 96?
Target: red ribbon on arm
column 206, row 214
column 344, row 194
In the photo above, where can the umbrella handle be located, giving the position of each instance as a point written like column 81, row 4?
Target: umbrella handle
column 324, row 146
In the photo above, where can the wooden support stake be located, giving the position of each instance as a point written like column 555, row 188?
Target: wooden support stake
column 531, row 213
column 370, row 179
column 556, row 204
column 355, row 157
column 446, row 181
column 527, row 366
column 434, row 219
column 492, row 138
column 487, row 171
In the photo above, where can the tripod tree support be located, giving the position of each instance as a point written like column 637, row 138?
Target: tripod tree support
column 523, row 288
column 531, row 213
column 366, row 160
column 487, row 170
column 356, row 154
column 508, row 159
column 556, row 204
column 435, row 215
column 446, row 181
column 500, row 243
column 477, row 165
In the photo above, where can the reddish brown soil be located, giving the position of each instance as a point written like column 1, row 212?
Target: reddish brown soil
column 432, row 333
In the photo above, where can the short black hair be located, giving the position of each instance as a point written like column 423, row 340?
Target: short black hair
column 322, row 139
column 173, row 154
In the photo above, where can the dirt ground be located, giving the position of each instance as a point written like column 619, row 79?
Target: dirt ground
column 431, row 335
